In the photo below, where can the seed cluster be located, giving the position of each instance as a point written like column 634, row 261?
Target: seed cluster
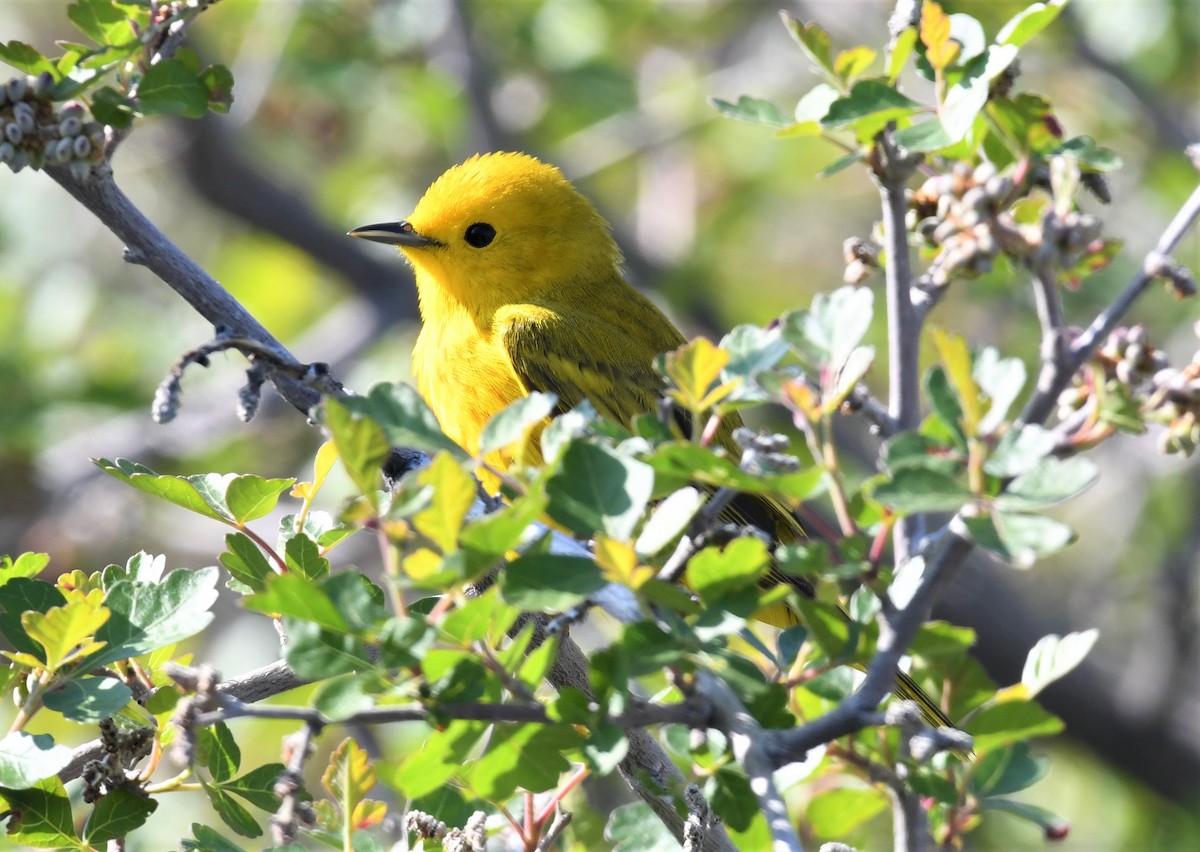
column 39, row 132
column 957, row 212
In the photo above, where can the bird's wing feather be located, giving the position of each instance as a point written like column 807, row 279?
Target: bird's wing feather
column 616, row 373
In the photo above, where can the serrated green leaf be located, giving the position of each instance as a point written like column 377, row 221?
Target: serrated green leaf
column 316, row 653
column 299, row 597
column 175, row 489
column 1020, row 451
column 208, row 840
column 832, row 328
column 111, row 107
column 1089, row 155
column 87, row 699
column 956, row 359
column 146, row 616
column 851, row 63
column 67, row 631
column 25, row 565
column 118, row 813
column 677, row 464
column 945, row 401
column 26, row 759
column 1054, row 657
column 548, row 582
column 813, row 40
column 440, row 756
column 928, row 135
column 245, row 562
column 303, row 557
column 22, row 595
column 1029, row 537
column 341, row 697
column 901, row 50
column 24, row 57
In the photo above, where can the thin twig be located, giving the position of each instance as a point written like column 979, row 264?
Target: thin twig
column 1055, row 377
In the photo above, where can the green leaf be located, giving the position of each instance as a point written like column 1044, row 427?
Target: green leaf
column 26, row 759
column 1020, row 451
column 914, row 489
column 111, row 107
column 1089, row 155
column 956, row 359
column 63, row 629
column 1052, row 825
column 25, row 565
column 752, row 349
column 169, row 87
column 522, row 756
column 945, row 402
column 870, row 104
column 208, row 840
column 967, row 98
column 40, row 814
column 147, row 616
column 232, row 813
column 842, row 163
column 1028, row 23
column 1054, row 657
column 1028, row 537
column 1051, row 481
column 901, row 49
column 548, row 582
column 636, row 828
column 361, row 445
column 850, row 64
column 341, row 697
column 811, row 110
column 245, row 562
column 405, row 418
column 832, row 328
column 22, row 595
column 316, row 653
column 252, row 497
column 714, row 572
column 174, row 489
column 755, row 110
column 813, row 40
column 258, row 786
column 731, row 797
column 668, row 520
column 1000, row 725
column 297, row 597
column 512, row 423
column 833, row 634
column 837, row 812
column 1007, row 770
column 440, row 756
column 218, row 80
column 222, row 755
column 929, row 135
column 303, row 557
column 454, row 492
column 117, row 814
column 349, row 778
column 101, row 21
column 87, row 699
column 596, row 490
column 912, row 449
column 25, row 57
column 605, row 748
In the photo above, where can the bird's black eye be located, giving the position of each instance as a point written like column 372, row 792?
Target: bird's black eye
column 480, row 234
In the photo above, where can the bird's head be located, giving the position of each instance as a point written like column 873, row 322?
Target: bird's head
column 502, row 229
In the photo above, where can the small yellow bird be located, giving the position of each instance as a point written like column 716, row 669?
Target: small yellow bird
column 520, row 289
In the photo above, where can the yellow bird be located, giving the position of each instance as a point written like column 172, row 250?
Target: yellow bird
column 520, row 289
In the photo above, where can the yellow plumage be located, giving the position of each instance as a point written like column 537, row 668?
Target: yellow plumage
column 520, row 289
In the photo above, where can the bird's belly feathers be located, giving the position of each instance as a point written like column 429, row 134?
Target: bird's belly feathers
column 465, row 378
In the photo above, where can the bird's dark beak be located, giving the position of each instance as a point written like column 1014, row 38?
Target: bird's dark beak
column 394, row 234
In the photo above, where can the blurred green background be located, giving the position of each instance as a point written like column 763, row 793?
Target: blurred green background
column 345, row 111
